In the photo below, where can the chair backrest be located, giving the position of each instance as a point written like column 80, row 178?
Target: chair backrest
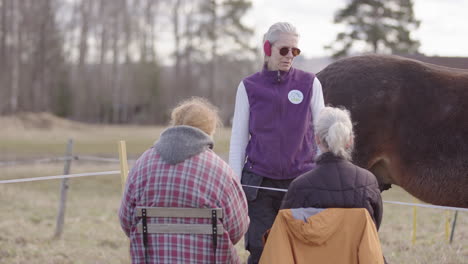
column 214, row 229
column 181, row 213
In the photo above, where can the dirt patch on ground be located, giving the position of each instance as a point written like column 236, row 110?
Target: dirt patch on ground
column 41, row 121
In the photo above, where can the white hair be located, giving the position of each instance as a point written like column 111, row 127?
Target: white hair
column 274, row 32
column 334, row 129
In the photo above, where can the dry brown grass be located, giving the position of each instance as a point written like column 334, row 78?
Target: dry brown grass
column 92, row 233
column 22, row 138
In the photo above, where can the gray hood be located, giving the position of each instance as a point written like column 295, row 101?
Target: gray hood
column 314, row 225
column 179, row 143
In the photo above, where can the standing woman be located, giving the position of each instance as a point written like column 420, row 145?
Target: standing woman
column 272, row 140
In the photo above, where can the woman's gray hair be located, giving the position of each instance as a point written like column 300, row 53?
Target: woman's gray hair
column 334, row 129
column 273, row 33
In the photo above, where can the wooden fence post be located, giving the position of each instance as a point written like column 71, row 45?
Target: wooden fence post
column 63, row 190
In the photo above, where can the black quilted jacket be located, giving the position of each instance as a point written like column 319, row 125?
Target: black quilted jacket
column 336, row 183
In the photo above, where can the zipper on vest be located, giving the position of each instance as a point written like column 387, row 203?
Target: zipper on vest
column 280, row 127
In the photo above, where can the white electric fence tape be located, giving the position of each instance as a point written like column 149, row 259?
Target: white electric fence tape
column 61, row 176
column 249, row 186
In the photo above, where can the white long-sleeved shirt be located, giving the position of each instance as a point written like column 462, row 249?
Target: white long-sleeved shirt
column 240, row 125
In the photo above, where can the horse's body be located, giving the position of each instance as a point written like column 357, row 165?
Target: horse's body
column 411, row 123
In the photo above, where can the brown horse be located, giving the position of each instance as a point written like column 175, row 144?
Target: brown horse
column 411, row 121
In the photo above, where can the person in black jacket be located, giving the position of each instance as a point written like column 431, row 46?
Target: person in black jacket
column 335, row 182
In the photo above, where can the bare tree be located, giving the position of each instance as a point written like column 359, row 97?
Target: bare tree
column 17, row 40
column 3, row 58
column 3, row 32
column 176, row 13
column 99, row 60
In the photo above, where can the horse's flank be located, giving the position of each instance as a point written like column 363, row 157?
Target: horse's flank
column 411, row 122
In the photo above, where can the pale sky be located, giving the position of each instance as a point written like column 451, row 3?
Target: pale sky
column 443, row 30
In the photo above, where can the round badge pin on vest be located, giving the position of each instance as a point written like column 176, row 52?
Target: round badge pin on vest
column 295, row 96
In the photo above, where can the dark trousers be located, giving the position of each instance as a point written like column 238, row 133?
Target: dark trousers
column 263, row 208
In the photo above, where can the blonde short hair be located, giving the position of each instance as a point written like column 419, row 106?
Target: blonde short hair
column 196, row 112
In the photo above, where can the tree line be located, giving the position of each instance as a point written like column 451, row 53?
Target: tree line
column 101, row 60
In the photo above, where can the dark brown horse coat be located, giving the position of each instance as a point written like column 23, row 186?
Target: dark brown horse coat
column 411, row 123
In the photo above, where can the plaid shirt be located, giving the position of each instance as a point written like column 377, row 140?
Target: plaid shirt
column 201, row 181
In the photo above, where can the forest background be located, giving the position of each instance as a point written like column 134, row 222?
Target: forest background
column 131, row 61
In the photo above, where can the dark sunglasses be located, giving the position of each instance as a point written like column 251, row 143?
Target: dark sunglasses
column 285, row 50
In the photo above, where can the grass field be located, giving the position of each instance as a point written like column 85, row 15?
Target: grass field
column 92, row 233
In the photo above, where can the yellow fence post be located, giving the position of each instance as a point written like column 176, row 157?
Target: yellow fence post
column 447, row 226
column 413, row 235
column 123, row 163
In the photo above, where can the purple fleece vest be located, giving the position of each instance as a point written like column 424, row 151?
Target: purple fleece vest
column 281, row 144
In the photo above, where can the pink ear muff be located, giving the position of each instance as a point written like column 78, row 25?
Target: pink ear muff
column 267, row 48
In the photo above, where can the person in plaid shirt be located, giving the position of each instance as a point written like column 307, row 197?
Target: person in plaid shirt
column 181, row 170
